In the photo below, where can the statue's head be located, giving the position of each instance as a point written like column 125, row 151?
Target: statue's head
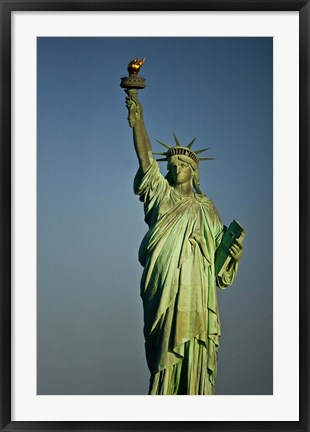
column 182, row 164
column 181, row 169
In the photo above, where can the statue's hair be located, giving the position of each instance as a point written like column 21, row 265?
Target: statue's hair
column 196, row 182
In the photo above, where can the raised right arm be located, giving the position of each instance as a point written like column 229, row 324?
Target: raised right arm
column 140, row 137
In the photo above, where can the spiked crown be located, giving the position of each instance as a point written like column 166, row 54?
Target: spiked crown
column 180, row 150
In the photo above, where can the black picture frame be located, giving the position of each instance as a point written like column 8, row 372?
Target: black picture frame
column 9, row 6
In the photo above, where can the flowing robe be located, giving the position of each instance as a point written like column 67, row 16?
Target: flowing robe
column 178, row 286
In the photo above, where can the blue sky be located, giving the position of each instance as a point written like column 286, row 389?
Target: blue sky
column 90, row 223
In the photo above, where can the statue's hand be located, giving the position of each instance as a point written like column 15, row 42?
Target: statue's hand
column 236, row 250
column 134, row 109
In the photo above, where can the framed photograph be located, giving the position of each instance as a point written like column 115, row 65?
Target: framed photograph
column 228, row 77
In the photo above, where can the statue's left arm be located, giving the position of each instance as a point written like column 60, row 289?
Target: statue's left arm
column 230, row 273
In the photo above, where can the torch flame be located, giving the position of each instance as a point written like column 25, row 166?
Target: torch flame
column 135, row 66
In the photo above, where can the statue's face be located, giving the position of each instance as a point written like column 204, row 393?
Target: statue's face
column 181, row 171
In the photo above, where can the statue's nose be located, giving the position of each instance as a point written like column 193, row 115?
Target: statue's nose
column 178, row 169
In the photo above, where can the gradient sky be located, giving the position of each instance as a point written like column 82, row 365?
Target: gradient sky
column 90, row 224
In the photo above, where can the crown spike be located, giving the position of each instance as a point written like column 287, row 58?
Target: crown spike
column 176, row 140
column 202, row 150
column 191, row 143
column 180, row 150
column 163, row 144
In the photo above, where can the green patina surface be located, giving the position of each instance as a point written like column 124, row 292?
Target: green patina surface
column 179, row 280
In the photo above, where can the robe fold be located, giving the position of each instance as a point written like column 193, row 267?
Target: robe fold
column 178, row 286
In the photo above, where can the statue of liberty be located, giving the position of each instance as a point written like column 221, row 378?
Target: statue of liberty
column 178, row 285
